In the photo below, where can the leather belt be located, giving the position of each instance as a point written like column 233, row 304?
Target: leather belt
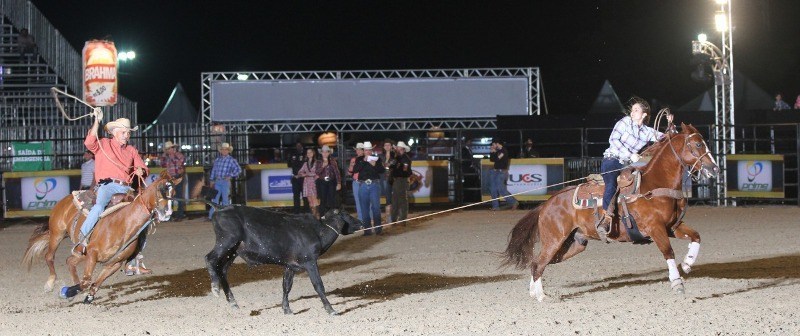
column 113, row 180
column 367, row 182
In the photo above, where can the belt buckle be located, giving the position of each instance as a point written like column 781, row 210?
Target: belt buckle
column 327, row 178
column 367, row 182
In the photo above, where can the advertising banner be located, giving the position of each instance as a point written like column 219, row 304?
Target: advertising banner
column 755, row 176
column 428, row 182
column 43, row 192
column 32, row 156
column 531, row 176
column 100, row 73
column 268, row 185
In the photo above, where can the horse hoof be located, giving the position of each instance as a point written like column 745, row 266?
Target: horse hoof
column 63, row 293
column 677, row 286
column 333, row 313
column 234, row 305
column 686, row 268
column 288, row 311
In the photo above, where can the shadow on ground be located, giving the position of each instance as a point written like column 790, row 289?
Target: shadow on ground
column 781, row 270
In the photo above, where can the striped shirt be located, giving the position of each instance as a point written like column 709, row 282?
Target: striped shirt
column 225, row 166
column 87, row 173
column 173, row 163
column 627, row 138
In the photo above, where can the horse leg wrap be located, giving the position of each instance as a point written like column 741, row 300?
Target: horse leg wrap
column 673, row 270
column 691, row 257
column 69, row 292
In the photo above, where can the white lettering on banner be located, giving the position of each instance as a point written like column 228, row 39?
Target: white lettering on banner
column 41, row 193
column 106, row 73
column 755, row 175
column 527, row 177
column 276, row 185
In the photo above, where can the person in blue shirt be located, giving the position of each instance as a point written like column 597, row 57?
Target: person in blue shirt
column 225, row 168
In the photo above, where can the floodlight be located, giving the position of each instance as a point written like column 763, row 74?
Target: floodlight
column 721, row 21
column 702, row 37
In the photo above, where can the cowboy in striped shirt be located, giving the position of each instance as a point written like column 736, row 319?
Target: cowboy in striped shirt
column 629, row 136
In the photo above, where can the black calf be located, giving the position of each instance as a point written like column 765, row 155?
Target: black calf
column 262, row 236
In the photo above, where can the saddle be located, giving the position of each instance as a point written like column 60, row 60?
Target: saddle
column 84, row 201
column 589, row 195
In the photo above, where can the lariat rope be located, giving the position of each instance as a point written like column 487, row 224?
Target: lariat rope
column 482, row 202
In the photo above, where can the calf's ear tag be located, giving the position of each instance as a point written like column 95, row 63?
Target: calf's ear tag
column 336, row 211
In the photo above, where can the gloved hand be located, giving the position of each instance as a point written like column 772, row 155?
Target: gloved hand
column 98, row 113
column 635, row 157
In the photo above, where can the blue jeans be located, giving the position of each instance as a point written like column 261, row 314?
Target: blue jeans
column 104, row 193
column 356, row 198
column 370, row 197
column 497, row 187
column 386, row 190
column 224, row 188
column 610, row 179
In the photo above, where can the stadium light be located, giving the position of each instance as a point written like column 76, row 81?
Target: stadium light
column 126, row 55
column 721, row 21
column 702, row 38
column 242, row 76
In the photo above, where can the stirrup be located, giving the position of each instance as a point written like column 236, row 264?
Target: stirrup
column 601, row 230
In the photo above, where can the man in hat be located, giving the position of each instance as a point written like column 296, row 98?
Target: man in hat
column 174, row 161
column 225, row 168
column 369, row 172
column 401, row 171
column 498, row 176
column 115, row 164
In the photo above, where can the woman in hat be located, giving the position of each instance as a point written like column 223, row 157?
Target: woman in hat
column 309, row 175
column 225, row 168
column 115, row 164
column 328, row 181
column 353, row 161
column 629, row 136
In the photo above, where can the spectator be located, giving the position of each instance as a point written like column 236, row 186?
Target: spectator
column 277, row 157
column 353, row 161
column 26, row 43
column 528, row 151
column 369, row 172
column 296, row 162
column 780, row 104
column 328, row 181
column 499, row 175
column 797, row 103
column 87, row 170
column 400, row 174
column 225, row 168
column 174, row 161
column 387, row 159
column 309, row 174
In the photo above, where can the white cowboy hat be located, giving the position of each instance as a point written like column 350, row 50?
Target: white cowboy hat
column 225, row 146
column 169, row 144
column 360, row 145
column 120, row 123
column 367, row 145
column 403, row 145
column 325, row 148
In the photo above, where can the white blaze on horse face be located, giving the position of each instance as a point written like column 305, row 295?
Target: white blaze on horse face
column 673, row 270
column 536, row 290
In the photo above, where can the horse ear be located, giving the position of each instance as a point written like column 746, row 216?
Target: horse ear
column 683, row 128
column 164, row 175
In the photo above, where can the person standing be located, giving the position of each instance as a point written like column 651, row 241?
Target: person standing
column 388, row 160
column 87, row 170
column 369, row 193
column 353, row 161
column 401, row 171
column 630, row 135
column 328, row 181
column 498, row 176
column 309, row 174
column 26, row 43
column 296, row 162
column 528, row 151
column 225, row 168
column 779, row 103
column 174, row 161
column 114, row 168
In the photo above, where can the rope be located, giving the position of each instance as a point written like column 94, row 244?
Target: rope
column 482, row 202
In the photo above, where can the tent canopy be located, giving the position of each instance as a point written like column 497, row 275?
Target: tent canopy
column 178, row 109
column 747, row 94
column 607, row 101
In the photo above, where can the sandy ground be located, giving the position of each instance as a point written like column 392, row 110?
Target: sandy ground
column 436, row 277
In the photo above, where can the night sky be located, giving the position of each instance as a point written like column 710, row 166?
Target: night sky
column 642, row 47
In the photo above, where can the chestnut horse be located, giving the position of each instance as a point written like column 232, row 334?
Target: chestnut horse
column 562, row 230
column 114, row 241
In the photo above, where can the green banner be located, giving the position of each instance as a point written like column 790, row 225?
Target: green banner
column 32, row 156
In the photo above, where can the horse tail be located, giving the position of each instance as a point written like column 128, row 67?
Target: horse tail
column 37, row 245
column 522, row 239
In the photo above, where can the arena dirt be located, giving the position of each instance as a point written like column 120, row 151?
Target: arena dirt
column 435, row 277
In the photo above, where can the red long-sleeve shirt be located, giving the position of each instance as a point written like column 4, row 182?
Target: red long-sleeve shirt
column 125, row 158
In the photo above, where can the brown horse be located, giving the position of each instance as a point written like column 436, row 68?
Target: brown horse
column 562, row 230
column 114, row 241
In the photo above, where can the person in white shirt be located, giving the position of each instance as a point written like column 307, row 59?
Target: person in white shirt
column 87, row 171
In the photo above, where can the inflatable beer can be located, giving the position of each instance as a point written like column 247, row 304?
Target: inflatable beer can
column 100, row 73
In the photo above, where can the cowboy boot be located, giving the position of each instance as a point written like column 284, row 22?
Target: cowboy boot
column 603, row 225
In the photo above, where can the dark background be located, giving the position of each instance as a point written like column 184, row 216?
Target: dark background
column 642, row 47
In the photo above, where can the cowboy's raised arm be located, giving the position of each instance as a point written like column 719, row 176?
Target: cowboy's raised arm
column 91, row 142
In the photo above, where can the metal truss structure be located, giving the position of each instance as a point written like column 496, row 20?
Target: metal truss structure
column 363, row 126
column 724, row 131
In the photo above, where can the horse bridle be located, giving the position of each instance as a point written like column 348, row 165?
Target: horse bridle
column 697, row 167
column 161, row 197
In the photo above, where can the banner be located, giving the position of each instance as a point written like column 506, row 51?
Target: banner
column 428, row 182
column 268, row 185
column 531, row 176
column 755, row 176
column 42, row 193
column 100, row 73
column 32, row 156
